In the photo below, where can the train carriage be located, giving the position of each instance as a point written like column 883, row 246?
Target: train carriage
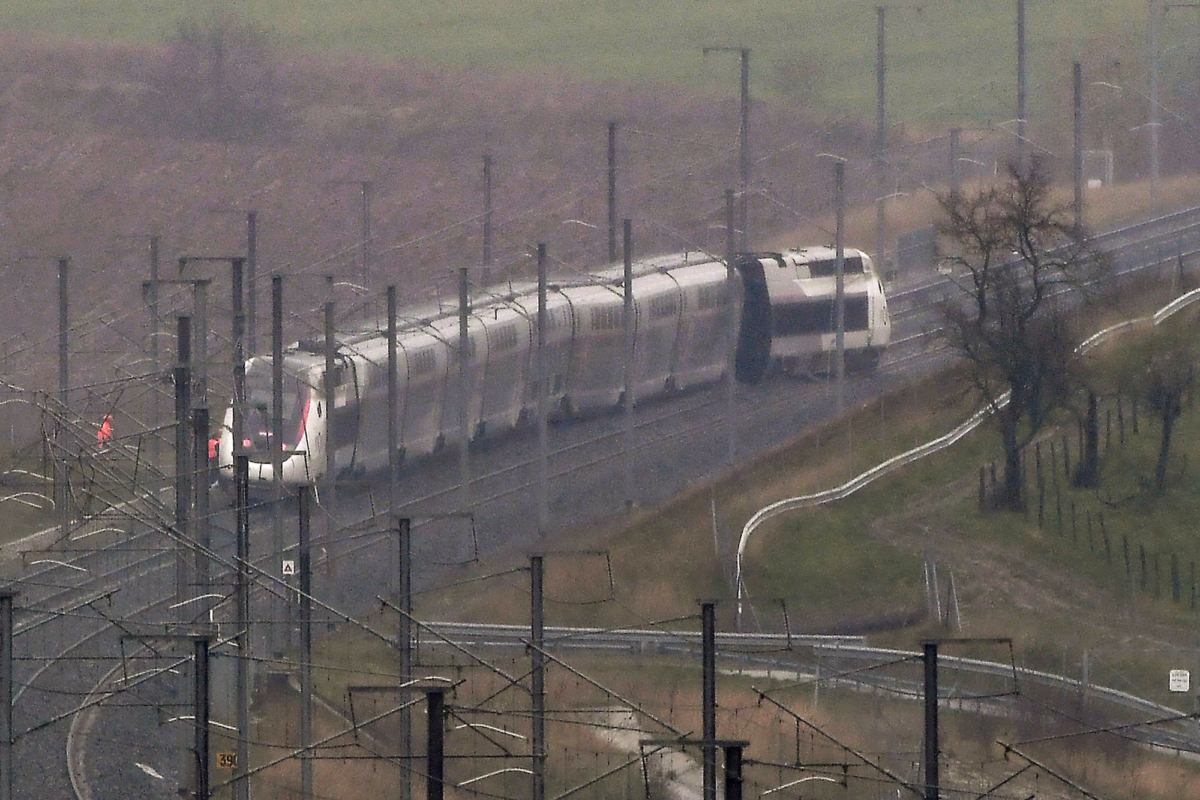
column 595, row 377
column 509, row 350
column 423, row 361
column 706, row 306
column 558, row 348
column 684, row 306
column 657, row 304
column 789, row 312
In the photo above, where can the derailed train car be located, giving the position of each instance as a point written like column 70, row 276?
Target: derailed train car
column 684, row 310
column 789, row 312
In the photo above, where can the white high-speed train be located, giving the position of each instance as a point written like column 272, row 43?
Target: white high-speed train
column 684, row 311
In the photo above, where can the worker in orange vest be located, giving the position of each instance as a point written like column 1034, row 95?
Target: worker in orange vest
column 105, row 433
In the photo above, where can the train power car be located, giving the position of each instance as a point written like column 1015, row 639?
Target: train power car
column 789, row 312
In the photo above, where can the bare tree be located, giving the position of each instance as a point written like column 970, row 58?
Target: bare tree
column 1020, row 262
column 1165, row 372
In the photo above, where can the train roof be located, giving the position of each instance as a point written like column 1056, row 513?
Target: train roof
column 431, row 316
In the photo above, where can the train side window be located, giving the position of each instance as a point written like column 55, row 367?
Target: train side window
column 827, row 268
column 711, row 296
column 506, row 338
column 664, row 307
column 422, row 362
column 604, row 319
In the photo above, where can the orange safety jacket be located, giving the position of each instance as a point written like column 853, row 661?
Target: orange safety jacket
column 104, row 434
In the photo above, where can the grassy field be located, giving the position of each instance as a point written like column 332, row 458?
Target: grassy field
column 948, row 61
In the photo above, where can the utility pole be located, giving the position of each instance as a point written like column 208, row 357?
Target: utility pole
column 303, row 500
column 731, row 297
column 199, row 359
column 368, row 189
column 393, row 403
column 627, row 394
column 733, row 772
column 200, row 486
column 152, row 297
column 1021, row 112
column 464, row 392
column 200, row 706
column 241, row 778
column 183, row 471
column 329, row 387
column 881, row 136
column 839, row 172
column 709, row 710
column 743, row 142
column 543, row 512
column 62, row 500
column 612, row 192
column 242, row 476
column 487, row 218
column 744, row 149
column 538, row 678
column 281, row 609
column 931, row 721
column 252, row 282
column 435, row 748
column 404, row 549
column 6, row 693
column 1156, row 14
column 1077, row 162
column 955, row 172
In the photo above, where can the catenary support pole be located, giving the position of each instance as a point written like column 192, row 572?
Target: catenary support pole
column 199, row 360
column 152, row 294
column 839, row 172
column 709, row 705
column 62, row 492
column 487, row 219
column 465, row 502
column 242, row 476
column 1156, row 14
column 368, row 191
column 200, row 706
column 6, row 694
column 1021, row 95
column 931, row 721
column 183, row 486
column 880, row 136
column 733, row 772
column 1077, row 161
column 404, row 549
column 744, row 150
column 251, row 282
column 627, row 320
column 279, row 631
column 538, row 677
column 329, row 389
column 612, row 192
column 304, row 556
column 201, row 525
column 242, row 781
column 731, row 299
column 435, row 748
column 393, row 399
column 543, row 511
column 955, row 171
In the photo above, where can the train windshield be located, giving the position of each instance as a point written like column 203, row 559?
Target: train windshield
column 256, row 425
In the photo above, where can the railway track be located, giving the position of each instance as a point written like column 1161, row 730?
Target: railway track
column 586, row 462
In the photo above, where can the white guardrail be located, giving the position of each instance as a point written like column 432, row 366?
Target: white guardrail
column 941, row 443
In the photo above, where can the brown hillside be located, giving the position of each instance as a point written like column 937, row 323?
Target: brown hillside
column 103, row 146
